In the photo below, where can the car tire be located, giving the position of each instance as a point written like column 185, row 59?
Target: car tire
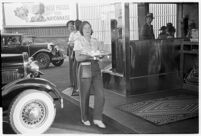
column 32, row 111
column 43, row 60
column 58, row 62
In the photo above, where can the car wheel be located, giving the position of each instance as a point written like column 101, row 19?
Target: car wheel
column 58, row 62
column 43, row 60
column 32, row 111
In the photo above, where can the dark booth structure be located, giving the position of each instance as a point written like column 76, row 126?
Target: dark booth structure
column 150, row 65
column 143, row 66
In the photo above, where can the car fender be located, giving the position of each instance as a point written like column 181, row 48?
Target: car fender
column 42, row 50
column 39, row 83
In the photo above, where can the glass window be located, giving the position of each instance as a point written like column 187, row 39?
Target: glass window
column 13, row 40
column 163, row 14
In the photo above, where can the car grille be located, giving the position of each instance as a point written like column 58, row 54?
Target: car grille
column 9, row 76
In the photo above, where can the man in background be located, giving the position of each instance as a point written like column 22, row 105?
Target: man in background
column 162, row 34
column 147, row 29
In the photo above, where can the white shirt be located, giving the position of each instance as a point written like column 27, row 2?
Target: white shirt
column 74, row 36
column 82, row 44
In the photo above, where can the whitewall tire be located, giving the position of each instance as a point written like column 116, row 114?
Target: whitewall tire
column 32, row 111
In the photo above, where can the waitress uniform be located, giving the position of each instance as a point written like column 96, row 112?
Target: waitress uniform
column 89, row 75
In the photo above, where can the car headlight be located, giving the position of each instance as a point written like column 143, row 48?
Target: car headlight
column 33, row 66
column 50, row 46
column 30, row 59
column 56, row 48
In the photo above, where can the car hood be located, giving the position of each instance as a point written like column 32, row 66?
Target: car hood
column 37, row 46
column 40, row 44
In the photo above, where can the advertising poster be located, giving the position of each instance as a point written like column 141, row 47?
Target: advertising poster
column 38, row 14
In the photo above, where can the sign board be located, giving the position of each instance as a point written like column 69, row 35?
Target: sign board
column 38, row 13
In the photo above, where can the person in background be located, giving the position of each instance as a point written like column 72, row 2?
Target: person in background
column 114, row 40
column 70, row 28
column 75, row 33
column 190, row 27
column 170, row 30
column 147, row 29
column 89, row 74
column 162, row 34
column 185, row 25
column 72, row 38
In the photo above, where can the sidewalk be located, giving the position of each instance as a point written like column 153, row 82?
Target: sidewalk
column 132, row 124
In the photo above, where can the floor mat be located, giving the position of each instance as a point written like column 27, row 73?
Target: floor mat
column 164, row 110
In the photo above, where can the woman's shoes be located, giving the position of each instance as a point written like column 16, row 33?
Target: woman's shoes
column 87, row 123
column 75, row 93
column 99, row 123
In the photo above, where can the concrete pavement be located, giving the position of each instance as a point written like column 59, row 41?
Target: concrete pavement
column 67, row 120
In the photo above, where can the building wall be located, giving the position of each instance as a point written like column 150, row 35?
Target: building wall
column 59, row 35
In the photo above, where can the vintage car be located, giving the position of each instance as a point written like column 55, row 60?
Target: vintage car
column 28, row 101
column 44, row 53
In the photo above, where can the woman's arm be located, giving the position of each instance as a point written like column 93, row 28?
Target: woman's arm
column 78, row 49
column 80, row 57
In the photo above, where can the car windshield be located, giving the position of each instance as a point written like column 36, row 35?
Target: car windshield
column 27, row 39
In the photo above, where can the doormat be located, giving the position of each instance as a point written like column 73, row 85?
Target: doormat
column 164, row 110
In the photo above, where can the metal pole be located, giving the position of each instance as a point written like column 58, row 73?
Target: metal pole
column 77, row 11
column 3, row 17
column 126, row 42
column 179, row 25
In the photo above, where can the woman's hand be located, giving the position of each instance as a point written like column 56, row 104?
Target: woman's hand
column 98, row 58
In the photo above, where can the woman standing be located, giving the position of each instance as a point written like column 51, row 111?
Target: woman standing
column 89, row 75
column 70, row 28
column 72, row 38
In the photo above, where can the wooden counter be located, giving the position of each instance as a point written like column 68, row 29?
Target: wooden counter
column 189, row 58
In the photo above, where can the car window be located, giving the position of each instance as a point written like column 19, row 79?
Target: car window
column 13, row 40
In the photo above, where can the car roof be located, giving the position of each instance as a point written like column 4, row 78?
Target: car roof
column 26, row 35
column 18, row 34
column 11, row 34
